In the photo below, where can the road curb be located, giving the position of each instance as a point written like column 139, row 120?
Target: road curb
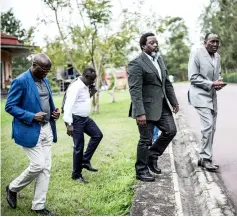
column 178, row 201
column 209, row 194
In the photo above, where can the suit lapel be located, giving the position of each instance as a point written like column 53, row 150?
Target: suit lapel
column 150, row 64
column 207, row 55
column 31, row 83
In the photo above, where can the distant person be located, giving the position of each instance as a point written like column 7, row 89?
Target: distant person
column 151, row 90
column 31, row 104
column 203, row 71
column 70, row 73
column 77, row 120
column 10, row 79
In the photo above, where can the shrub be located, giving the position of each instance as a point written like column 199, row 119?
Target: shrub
column 55, row 89
column 230, row 77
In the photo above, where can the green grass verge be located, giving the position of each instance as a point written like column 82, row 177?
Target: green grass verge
column 109, row 191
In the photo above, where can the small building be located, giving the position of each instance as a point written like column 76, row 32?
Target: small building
column 10, row 46
column 121, row 77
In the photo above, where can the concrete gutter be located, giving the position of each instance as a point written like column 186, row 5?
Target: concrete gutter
column 183, row 189
column 208, row 190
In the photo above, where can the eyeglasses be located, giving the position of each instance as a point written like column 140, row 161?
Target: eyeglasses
column 44, row 70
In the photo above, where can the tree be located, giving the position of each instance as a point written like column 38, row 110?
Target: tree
column 220, row 17
column 177, row 49
column 55, row 6
column 93, row 38
column 12, row 26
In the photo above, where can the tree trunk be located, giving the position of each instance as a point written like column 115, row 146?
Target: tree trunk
column 96, row 97
column 96, row 108
column 113, row 89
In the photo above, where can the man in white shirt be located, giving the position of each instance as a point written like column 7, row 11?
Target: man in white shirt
column 78, row 122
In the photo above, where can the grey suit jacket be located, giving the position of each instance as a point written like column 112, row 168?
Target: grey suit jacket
column 202, row 72
column 146, row 88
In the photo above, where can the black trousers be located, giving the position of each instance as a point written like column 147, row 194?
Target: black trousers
column 83, row 125
column 145, row 148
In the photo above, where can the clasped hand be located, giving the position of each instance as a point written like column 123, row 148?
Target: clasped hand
column 218, row 84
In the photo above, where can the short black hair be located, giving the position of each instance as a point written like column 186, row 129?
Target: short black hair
column 89, row 71
column 207, row 35
column 143, row 38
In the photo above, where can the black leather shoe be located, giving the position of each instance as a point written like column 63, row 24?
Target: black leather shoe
column 11, row 198
column 152, row 164
column 44, row 212
column 147, row 177
column 89, row 167
column 216, row 165
column 80, row 179
column 207, row 164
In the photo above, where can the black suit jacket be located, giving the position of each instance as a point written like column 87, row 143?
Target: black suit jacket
column 147, row 89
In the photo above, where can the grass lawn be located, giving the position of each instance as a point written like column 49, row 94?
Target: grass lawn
column 109, row 191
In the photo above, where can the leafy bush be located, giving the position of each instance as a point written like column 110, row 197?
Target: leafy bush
column 230, row 77
column 55, row 89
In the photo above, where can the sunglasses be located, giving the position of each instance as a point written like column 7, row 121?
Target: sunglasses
column 44, row 70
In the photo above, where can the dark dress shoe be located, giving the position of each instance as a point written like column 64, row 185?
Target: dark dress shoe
column 216, row 165
column 11, row 198
column 147, row 177
column 152, row 164
column 44, row 212
column 80, row 179
column 207, row 164
column 89, row 167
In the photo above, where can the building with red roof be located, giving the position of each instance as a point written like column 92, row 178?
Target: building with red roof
column 10, row 46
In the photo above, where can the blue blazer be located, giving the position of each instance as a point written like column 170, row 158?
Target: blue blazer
column 23, row 102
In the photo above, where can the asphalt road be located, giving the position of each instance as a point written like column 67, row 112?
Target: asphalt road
column 225, row 141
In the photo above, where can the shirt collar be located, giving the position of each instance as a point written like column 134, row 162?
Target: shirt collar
column 151, row 58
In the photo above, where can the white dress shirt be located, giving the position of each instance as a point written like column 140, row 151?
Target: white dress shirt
column 155, row 63
column 77, row 101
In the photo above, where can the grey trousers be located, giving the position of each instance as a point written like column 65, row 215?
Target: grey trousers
column 38, row 170
column 208, row 128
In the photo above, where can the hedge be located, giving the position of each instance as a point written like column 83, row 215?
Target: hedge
column 230, row 77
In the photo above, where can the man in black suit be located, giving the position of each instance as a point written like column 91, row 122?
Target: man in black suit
column 151, row 90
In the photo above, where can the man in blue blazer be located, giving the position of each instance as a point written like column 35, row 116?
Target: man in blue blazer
column 31, row 104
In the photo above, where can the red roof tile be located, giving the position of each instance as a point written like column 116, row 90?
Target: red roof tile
column 9, row 39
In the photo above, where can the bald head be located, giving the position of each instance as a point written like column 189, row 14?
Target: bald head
column 42, row 59
column 41, row 65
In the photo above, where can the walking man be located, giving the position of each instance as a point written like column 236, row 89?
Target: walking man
column 31, row 104
column 204, row 70
column 151, row 91
column 76, row 116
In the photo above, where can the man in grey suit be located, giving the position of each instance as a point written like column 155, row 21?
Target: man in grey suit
column 151, row 91
column 204, row 71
